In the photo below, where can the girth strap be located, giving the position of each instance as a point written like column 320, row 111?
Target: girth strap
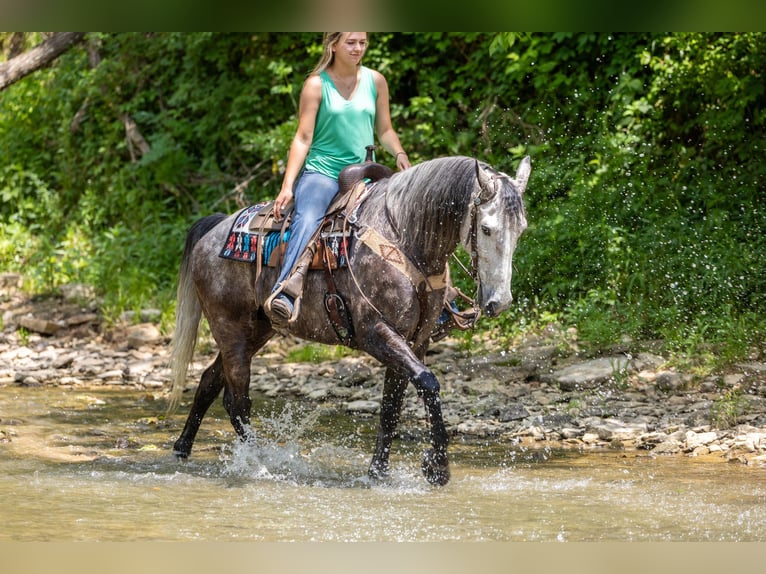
column 335, row 305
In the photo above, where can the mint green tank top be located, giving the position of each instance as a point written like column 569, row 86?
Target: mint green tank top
column 343, row 127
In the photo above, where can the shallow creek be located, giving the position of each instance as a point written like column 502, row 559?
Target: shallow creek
column 97, row 465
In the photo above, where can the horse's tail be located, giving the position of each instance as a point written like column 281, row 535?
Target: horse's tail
column 188, row 311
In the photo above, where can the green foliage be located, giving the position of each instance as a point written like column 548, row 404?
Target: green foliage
column 645, row 205
column 313, row 353
column 726, row 410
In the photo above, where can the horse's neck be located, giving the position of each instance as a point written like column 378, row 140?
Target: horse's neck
column 423, row 238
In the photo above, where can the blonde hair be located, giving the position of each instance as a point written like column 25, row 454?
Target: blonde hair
column 329, row 41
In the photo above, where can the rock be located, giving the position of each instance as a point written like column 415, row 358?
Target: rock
column 590, row 438
column 612, row 429
column 87, row 365
column 363, row 406
column 29, row 381
column 669, row 446
column 668, row 381
column 734, row 379
column 694, row 439
column 322, row 393
column 752, row 367
column 81, row 319
column 537, row 357
column 143, row 334
column 42, row 326
column 589, row 374
column 352, row 372
column 78, row 292
column 477, row 428
column 648, row 362
column 10, row 281
column 708, row 386
column 512, row 413
column 63, row 361
column 569, row 432
column 144, row 315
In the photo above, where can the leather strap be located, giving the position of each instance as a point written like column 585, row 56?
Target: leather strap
column 334, row 304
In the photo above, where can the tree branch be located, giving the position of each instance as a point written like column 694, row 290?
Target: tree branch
column 41, row 55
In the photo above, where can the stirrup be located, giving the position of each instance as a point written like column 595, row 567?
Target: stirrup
column 461, row 320
column 278, row 311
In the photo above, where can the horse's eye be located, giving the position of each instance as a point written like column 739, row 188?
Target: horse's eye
column 486, row 230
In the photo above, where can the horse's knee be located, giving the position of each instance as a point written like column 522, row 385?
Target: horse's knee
column 426, row 383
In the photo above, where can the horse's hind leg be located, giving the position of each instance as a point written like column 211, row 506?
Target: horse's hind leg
column 394, row 387
column 209, row 387
column 236, row 396
column 236, row 354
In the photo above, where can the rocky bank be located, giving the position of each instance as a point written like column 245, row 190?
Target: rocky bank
column 541, row 392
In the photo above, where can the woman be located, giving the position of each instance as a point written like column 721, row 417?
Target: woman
column 342, row 106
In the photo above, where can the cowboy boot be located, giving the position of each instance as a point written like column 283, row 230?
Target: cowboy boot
column 284, row 303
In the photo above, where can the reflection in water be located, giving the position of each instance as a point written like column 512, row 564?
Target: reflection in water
column 96, row 465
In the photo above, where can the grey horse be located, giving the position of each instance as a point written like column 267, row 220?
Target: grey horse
column 393, row 285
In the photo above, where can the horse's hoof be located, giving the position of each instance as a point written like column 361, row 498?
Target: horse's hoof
column 378, row 472
column 435, row 468
column 181, row 452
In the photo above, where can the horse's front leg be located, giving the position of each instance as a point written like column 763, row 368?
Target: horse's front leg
column 392, row 350
column 435, row 464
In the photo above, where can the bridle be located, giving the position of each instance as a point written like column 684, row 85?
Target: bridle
column 476, row 202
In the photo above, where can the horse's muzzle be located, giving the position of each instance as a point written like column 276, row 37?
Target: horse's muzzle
column 495, row 305
column 492, row 309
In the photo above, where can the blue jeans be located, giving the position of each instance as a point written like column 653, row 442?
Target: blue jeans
column 312, row 194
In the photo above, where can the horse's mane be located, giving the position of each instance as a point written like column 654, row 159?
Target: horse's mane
column 441, row 187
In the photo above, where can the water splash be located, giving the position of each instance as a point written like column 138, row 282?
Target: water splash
column 280, row 449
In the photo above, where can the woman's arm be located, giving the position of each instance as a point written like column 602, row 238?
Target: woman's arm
column 383, row 127
column 311, row 97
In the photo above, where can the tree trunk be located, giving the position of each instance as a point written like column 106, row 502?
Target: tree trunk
column 41, row 55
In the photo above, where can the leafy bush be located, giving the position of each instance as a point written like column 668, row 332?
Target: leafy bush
column 645, row 205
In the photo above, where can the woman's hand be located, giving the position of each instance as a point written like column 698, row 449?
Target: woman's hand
column 402, row 161
column 282, row 201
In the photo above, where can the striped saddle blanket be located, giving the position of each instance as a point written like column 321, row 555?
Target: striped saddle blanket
column 255, row 231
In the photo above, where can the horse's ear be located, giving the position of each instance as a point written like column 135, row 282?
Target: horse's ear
column 486, row 184
column 522, row 174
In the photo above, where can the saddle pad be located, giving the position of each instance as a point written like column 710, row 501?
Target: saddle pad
column 242, row 242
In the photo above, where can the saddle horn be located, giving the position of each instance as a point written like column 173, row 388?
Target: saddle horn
column 356, row 172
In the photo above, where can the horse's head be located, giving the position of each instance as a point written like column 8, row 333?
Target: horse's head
column 492, row 230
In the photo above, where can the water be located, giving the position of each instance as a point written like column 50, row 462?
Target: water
column 96, row 466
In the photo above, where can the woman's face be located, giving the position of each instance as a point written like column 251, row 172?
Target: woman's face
column 351, row 47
